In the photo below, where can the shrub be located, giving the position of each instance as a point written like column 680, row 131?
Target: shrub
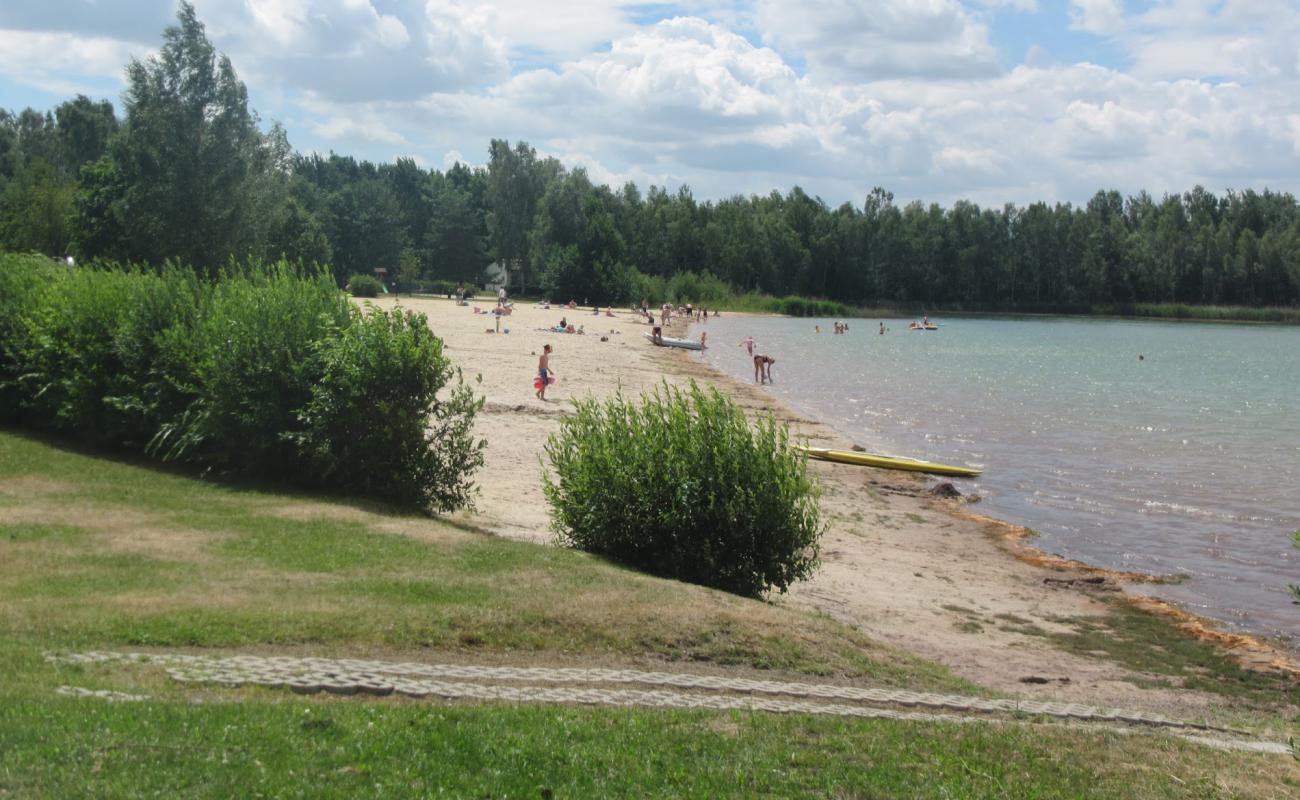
column 249, row 358
column 23, row 279
column 445, row 287
column 702, row 288
column 682, row 486
column 365, row 286
column 69, row 362
column 375, row 422
column 652, row 288
column 267, row 372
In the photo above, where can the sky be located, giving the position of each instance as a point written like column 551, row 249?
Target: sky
column 993, row 101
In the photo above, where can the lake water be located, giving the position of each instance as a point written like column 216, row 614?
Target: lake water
column 1185, row 461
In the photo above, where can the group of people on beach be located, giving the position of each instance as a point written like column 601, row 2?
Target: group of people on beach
column 566, row 327
column 668, row 310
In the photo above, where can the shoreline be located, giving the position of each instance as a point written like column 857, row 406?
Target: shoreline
column 921, row 574
column 1010, row 493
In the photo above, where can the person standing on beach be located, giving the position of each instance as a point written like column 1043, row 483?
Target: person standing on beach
column 763, row 368
column 544, row 371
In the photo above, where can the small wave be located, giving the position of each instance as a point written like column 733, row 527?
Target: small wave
column 1161, row 507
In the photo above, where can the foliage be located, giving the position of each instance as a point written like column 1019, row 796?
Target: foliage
column 375, row 423
column 267, row 372
column 703, row 288
column 295, row 234
column 76, row 133
column 515, row 183
column 365, row 286
column 34, row 208
column 185, row 165
column 651, row 288
column 363, row 221
column 455, row 239
column 1206, row 312
column 682, row 486
column 248, row 357
column 22, row 281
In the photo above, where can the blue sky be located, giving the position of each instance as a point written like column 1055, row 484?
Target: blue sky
column 990, row 100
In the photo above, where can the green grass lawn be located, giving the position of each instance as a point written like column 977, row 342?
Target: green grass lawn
column 96, row 553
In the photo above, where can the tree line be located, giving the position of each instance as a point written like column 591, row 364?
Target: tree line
column 189, row 175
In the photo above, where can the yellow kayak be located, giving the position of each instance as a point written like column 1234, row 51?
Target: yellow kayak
column 889, row 462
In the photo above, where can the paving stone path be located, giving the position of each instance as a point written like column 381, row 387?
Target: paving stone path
column 584, row 686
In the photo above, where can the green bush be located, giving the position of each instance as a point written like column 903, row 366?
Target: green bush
column 445, row 287
column 651, row 288
column 703, row 288
column 375, row 422
column 365, row 286
column 267, row 372
column 249, row 360
column 23, row 278
column 682, row 486
column 70, row 365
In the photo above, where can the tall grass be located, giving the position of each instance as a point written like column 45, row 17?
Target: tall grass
column 1225, row 313
column 796, row 306
column 267, row 372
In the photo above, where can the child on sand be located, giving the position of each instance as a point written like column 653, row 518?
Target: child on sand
column 544, row 371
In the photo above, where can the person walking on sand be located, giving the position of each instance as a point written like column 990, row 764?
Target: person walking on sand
column 544, row 371
column 763, row 368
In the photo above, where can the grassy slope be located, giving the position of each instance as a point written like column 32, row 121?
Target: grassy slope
column 96, row 553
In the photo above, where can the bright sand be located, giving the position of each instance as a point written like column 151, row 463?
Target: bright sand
column 907, row 570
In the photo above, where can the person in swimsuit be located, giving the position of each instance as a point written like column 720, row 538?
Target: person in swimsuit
column 763, row 368
column 544, row 370
column 748, row 344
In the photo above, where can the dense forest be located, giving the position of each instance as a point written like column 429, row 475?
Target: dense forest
column 190, row 175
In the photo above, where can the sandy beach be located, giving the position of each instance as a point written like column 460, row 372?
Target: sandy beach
column 907, row 569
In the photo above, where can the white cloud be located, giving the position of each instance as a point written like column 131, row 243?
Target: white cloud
column 453, row 157
column 1251, row 39
column 336, row 128
column 561, row 31
column 283, row 21
column 1018, row 5
column 64, row 62
column 1101, row 17
column 749, row 96
column 349, row 50
column 858, row 42
column 1104, row 131
column 689, row 101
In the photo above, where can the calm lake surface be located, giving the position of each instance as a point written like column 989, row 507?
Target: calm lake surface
column 1187, row 461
